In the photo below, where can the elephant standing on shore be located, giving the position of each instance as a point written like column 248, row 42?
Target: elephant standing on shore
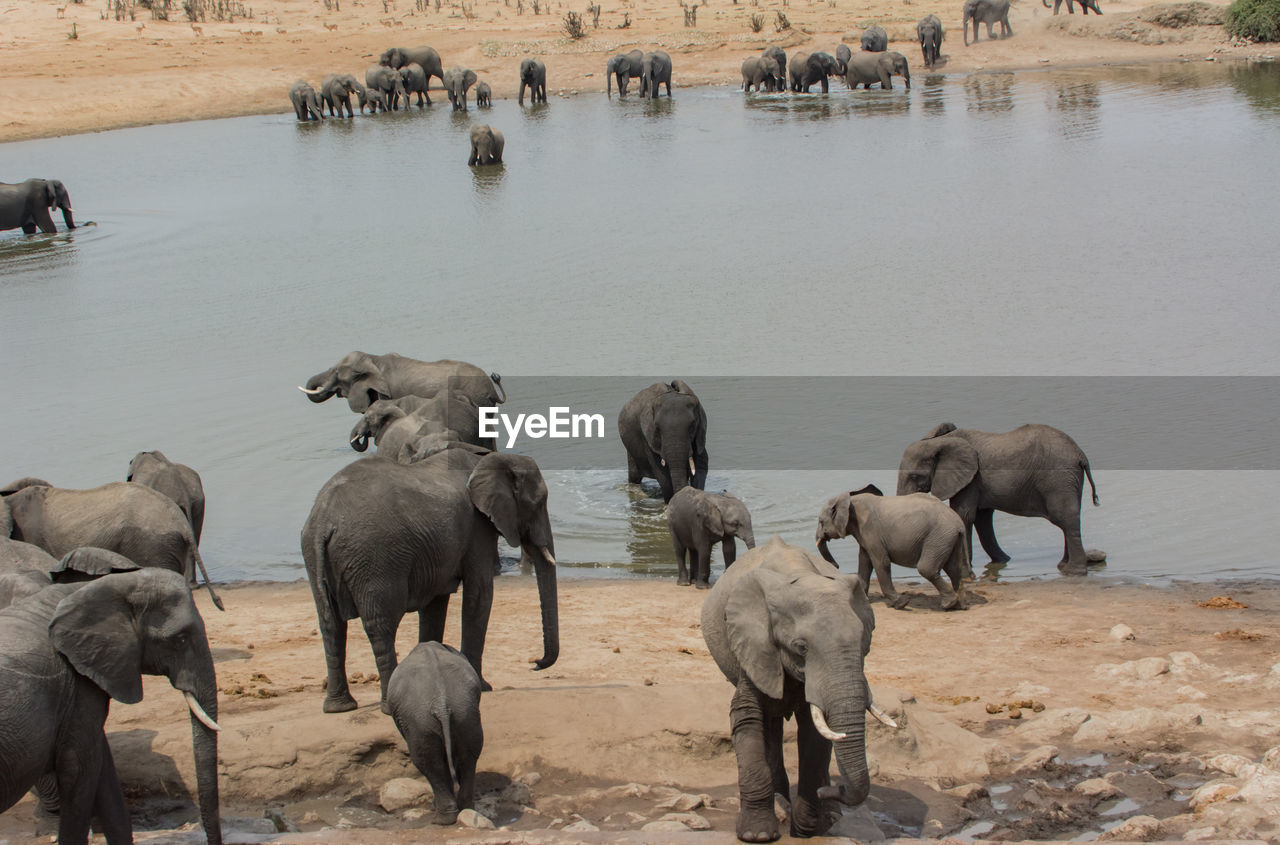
column 929, row 31
column 810, row 68
column 388, row 81
column 698, row 521
column 875, row 39
column 1034, row 470
column 533, row 74
column 306, row 102
column 457, row 81
column 625, row 67
column 177, row 481
column 363, row 379
column 988, row 12
column 487, row 144
column 1085, row 6
column 867, row 69
column 26, row 205
column 414, row 79
column 336, row 91
column 655, row 70
column 426, row 57
column 664, row 430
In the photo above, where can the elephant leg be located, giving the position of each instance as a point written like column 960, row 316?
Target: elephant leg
column 987, row 535
column 756, row 821
column 702, row 576
column 428, row 755
column 78, row 766
column 46, row 790
column 108, row 803
column 682, row 571
column 633, row 471
column 931, row 570
column 891, row 596
column 466, row 773
column 864, row 570
column 477, row 601
column 431, row 620
column 1076, row 562
column 381, row 631
column 338, row 698
column 807, row 816
column 773, row 753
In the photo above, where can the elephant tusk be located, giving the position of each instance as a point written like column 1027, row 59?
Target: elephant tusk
column 820, row 722
column 880, row 715
column 198, row 712
column 310, row 392
column 662, row 462
column 693, row 469
column 551, row 559
column 354, row 439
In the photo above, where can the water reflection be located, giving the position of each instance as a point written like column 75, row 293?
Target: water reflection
column 648, row 540
column 881, row 102
column 933, row 95
column 989, row 92
column 1076, row 104
column 487, row 180
column 536, row 112
column 1259, row 84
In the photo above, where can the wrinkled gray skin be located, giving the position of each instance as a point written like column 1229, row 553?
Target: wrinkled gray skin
column 362, row 379
column 655, row 70
column 917, row 530
column 336, row 91
column 24, row 570
column 130, row 519
column 378, row 563
column 697, row 521
column 484, row 95
column 625, row 67
column 779, row 55
column 875, row 39
column 427, row 57
column 762, row 73
column 177, row 481
column 83, row 564
column 842, row 58
column 533, row 74
column 26, row 205
column 434, row 699
column 64, row 653
column 929, row 32
column 389, row 82
column 664, row 430
column 487, row 144
column 1034, row 470
column 457, row 81
column 809, row 68
column 988, row 12
column 1085, row 6
column 306, row 102
column 869, row 68
column 375, row 100
column 414, row 79
column 789, row 631
column 397, row 425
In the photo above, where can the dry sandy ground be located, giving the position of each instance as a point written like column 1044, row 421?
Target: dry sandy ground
column 635, row 713
column 141, row 71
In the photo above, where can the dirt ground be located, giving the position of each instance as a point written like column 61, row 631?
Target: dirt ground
column 70, row 67
column 632, row 722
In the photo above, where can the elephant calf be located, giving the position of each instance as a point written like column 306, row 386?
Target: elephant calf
column 697, row 521
column 484, row 95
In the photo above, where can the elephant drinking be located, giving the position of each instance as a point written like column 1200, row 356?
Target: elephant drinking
column 624, row 67
column 363, row 379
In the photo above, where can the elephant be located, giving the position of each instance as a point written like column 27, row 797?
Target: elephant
column 916, row 530
column 664, row 430
column 389, row 82
column 414, row 79
column 779, row 55
column 806, row 69
column 761, row 72
column 64, row 653
column 130, row 519
column 697, row 521
column 1034, row 470
column 18, row 556
column 396, row 428
column 533, row 74
column 375, row 99
column 875, row 39
column 486, row 145
column 427, row 57
column 1085, row 6
column 25, row 205
column 988, row 12
column 457, row 81
column 77, row 566
column 484, row 95
column 929, row 31
column 868, row 68
column 655, row 69
column 306, row 102
column 177, row 481
column 843, row 54
column 336, row 91
column 787, row 629
column 367, row 560
column 625, row 67
column 434, row 698
column 363, row 379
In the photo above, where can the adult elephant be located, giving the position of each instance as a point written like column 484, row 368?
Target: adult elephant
column 664, row 430
column 875, row 39
column 655, row 70
column 487, row 144
column 26, row 205
column 378, row 563
column 363, row 379
column 988, row 12
column 806, row 70
column 1085, row 6
column 866, row 69
column 457, row 81
column 426, row 57
column 414, row 79
column 396, row 425
column 1034, row 470
column 78, row 566
column 761, row 73
column 624, row 67
column 69, row 649
column 177, row 481
column 929, row 32
column 779, row 55
column 697, row 521
column 533, row 74
column 791, row 634
column 305, row 100
column 843, row 54
column 335, row 94
column 389, row 83
column 130, row 519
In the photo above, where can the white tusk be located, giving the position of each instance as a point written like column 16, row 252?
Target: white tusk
column 198, row 712
column 662, row 462
column 880, row 715
column 693, row 469
column 547, row 554
column 310, row 392
column 820, row 722
column 354, row 439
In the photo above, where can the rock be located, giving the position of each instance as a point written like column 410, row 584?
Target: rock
column 251, row 827
column 402, row 793
column 475, row 821
column 414, row 814
column 1212, row 793
column 1152, row 667
column 965, row 793
column 1135, row 829
column 309, row 817
column 1232, row 764
column 1144, row 788
column 1123, row 632
column 1191, row 693
column 580, row 826
column 518, row 793
column 1096, row 789
column 280, row 821
column 1183, row 661
column 664, row 826
column 1095, row 556
column 1053, row 725
column 1271, row 759
column 682, row 803
column 858, row 824
column 1035, row 760
column 693, row 821
column 529, row 779
column 627, row 790
column 1200, row 833
column 1141, row 727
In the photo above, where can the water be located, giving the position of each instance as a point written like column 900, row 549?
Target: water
column 1113, row 221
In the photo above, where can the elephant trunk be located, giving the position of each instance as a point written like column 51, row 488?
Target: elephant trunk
column 544, row 566
column 678, row 461
column 845, row 712
column 67, row 217
column 320, row 387
column 359, row 439
column 204, row 744
column 826, row 553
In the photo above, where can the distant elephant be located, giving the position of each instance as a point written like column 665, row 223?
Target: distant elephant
column 533, row 74
column 484, row 95
column 415, row 82
column 368, row 560
column 1085, row 6
column 457, row 81
column 26, row 205
column 773, row 51
column 664, row 430
column 762, row 73
column 64, row 653
column 929, row 31
column 791, row 634
column 843, row 54
column 396, row 429
column 427, row 57
column 434, row 699
column 306, row 102
column 869, row 68
column 363, row 379
column 697, row 521
column 336, row 91
column 1034, row 470
column 388, row 81
column 177, row 481
column 655, row 70
column 625, row 67
column 988, row 12
column 875, row 39
column 486, row 145
column 917, row 530
column 806, row 69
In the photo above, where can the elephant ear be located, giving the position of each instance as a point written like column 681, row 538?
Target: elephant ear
column 939, row 430
column 649, row 424
column 833, row 520
column 750, row 629
column 492, row 490
column 50, row 194
column 708, row 512
column 956, row 466
column 94, row 629
column 469, row 78
column 861, row 604
column 870, row 488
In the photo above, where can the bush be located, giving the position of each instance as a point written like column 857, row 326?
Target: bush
column 757, row 22
column 573, row 26
column 1255, row 20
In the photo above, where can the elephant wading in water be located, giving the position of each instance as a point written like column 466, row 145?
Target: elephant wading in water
column 363, row 379
column 625, row 67
column 1034, row 470
column 988, row 12
column 533, row 74
column 843, row 54
column 64, row 653
column 389, row 83
column 655, row 70
column 426, row 57
column 791, row 633
column 807, row 69
column 306, row 102
column 367, row 560
column 487, row 144
column 414, row 79
column 698, row 521
column 929, row 31
column 664, row 430
column 762, row 73
column 336, row 91
column 869, row 68
column 875, row 39
column 457, row 81
column 26, row 205
column 484, row 95
column 779, row 55
column 177, row 481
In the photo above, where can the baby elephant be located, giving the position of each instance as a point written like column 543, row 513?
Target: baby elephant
column 698, row 520
column 484, row 95
column 919, row 530
column 486, row 145
column 434, row 698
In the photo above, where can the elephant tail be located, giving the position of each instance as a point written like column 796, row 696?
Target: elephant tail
column 217, row 602
column 446, row 735
column 497, row 383
column 1084, row 464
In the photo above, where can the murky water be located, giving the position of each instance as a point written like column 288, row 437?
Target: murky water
column 1114, row 221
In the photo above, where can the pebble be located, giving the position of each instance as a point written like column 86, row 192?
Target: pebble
column 1123, row 632
column 472, row 819
column 693, row 821
column 1188, row 691
column 682, row 803
column 529, row 779
column 664, row 826
column 1183, row 660
column 402, row 793
column 1095, row 556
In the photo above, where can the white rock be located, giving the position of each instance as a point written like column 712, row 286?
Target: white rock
column 1191, row 693
column 1272, row 759
column 472, row 819
column 1139, row 726
column 580, row 826
column 1051, row 725
column 1099, row 789
column 1123, row 632
column 1152, row 667
column 1262, row 788
column 662, row 826
column 1184, row 660
column 402, row 793
column 1232, row 764
column 1035, row 760
column 693, row 821
column 1200, row 833
column 1211, row 793
column 1135, row 829
column 414, row 814
column 529, row 779
column 628, row 790
column 682, row 803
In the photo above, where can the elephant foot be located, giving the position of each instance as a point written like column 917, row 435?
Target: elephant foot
column 704, row 585
column 1073, row 569
column 953, row 603
column 386, row 708
column 809, row 817
column 757, row 824
column 339, row 703
column 683, row 582
column 1000, row 558
column 445, row 817
column 899, row 602
column 485, row 686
